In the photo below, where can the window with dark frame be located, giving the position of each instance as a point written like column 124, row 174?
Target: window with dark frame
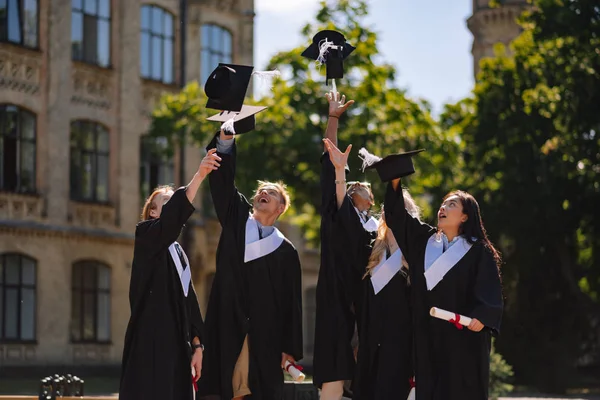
column 157, row 44
column 90, row 302
column 216, row 48
column 89, row 162
column 17, row 149
column 90, row 31
column 17, row 298
column 156, row 166
column 19, row 21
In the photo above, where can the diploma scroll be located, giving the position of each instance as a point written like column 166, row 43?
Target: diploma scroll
column 453, row 318
column 295, row 371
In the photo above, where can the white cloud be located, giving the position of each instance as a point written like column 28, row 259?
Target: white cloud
column 283, row 6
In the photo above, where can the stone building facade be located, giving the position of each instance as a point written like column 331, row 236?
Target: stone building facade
column 490, row 26
column 78, row 79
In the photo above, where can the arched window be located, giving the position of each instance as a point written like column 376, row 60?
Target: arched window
column 156, row 167
column 310, row 302
column 90, row 31
column 216, row 48
column 17, row 149
column 156, row 50
column 89, row 161
column 19, row 22
column 17, row 298
column 90, row 303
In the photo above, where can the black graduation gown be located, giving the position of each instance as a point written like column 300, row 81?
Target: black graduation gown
column 333, row 358
column 261, row 299
column 385, row 331
column 157, row 352
column 450, row 363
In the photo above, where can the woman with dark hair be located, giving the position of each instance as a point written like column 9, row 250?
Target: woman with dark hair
column 456, row 268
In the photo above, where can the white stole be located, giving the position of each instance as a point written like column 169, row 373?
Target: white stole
column 438, row 262
column 256, row 247
column 385, row 270
column 185, row 276
column 370, row 225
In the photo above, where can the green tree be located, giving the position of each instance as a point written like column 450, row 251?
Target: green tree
column 533, row 141
column 287, row 142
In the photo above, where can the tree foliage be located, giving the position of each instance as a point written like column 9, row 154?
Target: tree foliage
column 532, row 156
column 287, row 142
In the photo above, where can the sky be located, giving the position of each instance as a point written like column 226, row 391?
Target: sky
column 426, row 40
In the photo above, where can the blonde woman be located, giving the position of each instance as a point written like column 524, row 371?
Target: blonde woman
column 163, row 342
column 384, row 365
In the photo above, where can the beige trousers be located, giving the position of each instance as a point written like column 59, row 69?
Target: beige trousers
column 332, row 390
column 239, row 381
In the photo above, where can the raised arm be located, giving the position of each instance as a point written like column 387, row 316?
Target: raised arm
column 337, row 107
column 224, row 194
column 407, row 229
column 339, row 161
column 155, row 234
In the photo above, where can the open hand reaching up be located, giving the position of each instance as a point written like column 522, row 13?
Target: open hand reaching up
column 337, row 105
column 338, row 159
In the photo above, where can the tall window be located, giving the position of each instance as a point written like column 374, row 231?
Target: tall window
column 310, row 299
column 19, row 22
column 90, row 31
column 156, row 50
column 17, row 149
column 90, row 304
column 17, row 298
column 156, row 167
column 89, row 161
column 216, row 48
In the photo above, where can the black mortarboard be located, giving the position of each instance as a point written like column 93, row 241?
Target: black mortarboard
column 390, row 167
column 226, row 87
column 243, row 120
column 333, row 55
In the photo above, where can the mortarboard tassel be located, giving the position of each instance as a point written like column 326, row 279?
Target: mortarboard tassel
column 267, row 77
column 323, row 50
column 368, row 158
column 228, row 126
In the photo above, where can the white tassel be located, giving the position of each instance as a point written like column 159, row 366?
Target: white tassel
column 227, row 126
column 324, row 47
column 334, row 88
column 267, row 77
column 368, row 158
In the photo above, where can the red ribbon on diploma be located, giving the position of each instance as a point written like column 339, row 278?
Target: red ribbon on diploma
column 291, row 364
column 194, row 384
column 456, row 321
column 411, row 382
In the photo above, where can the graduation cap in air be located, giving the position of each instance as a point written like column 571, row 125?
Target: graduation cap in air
column 329, row 48
column 226, row 89
column 390, row 167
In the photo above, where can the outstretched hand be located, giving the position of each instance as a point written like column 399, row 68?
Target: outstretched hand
column 338, row 159
column 337, row 105
column 209, row 163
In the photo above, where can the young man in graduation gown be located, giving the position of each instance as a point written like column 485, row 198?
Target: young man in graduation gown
column 163, row 342
column 254, row 316
column 455, row 268
column 333, row 361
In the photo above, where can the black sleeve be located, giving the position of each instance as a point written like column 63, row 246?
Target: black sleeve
column 225, row 196
column 196, row 322
column 407, row 229
column 155, row 234
column 328, row 200
column 487, row 292
column 292, row 329
column 352, row 242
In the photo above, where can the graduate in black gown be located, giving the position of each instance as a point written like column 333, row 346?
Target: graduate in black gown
column 333, row 360
column 455, row 268
column 254, row 315
column 163, row 341
column 384, row 368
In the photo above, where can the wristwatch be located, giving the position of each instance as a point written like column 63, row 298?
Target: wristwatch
column 198, row 346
